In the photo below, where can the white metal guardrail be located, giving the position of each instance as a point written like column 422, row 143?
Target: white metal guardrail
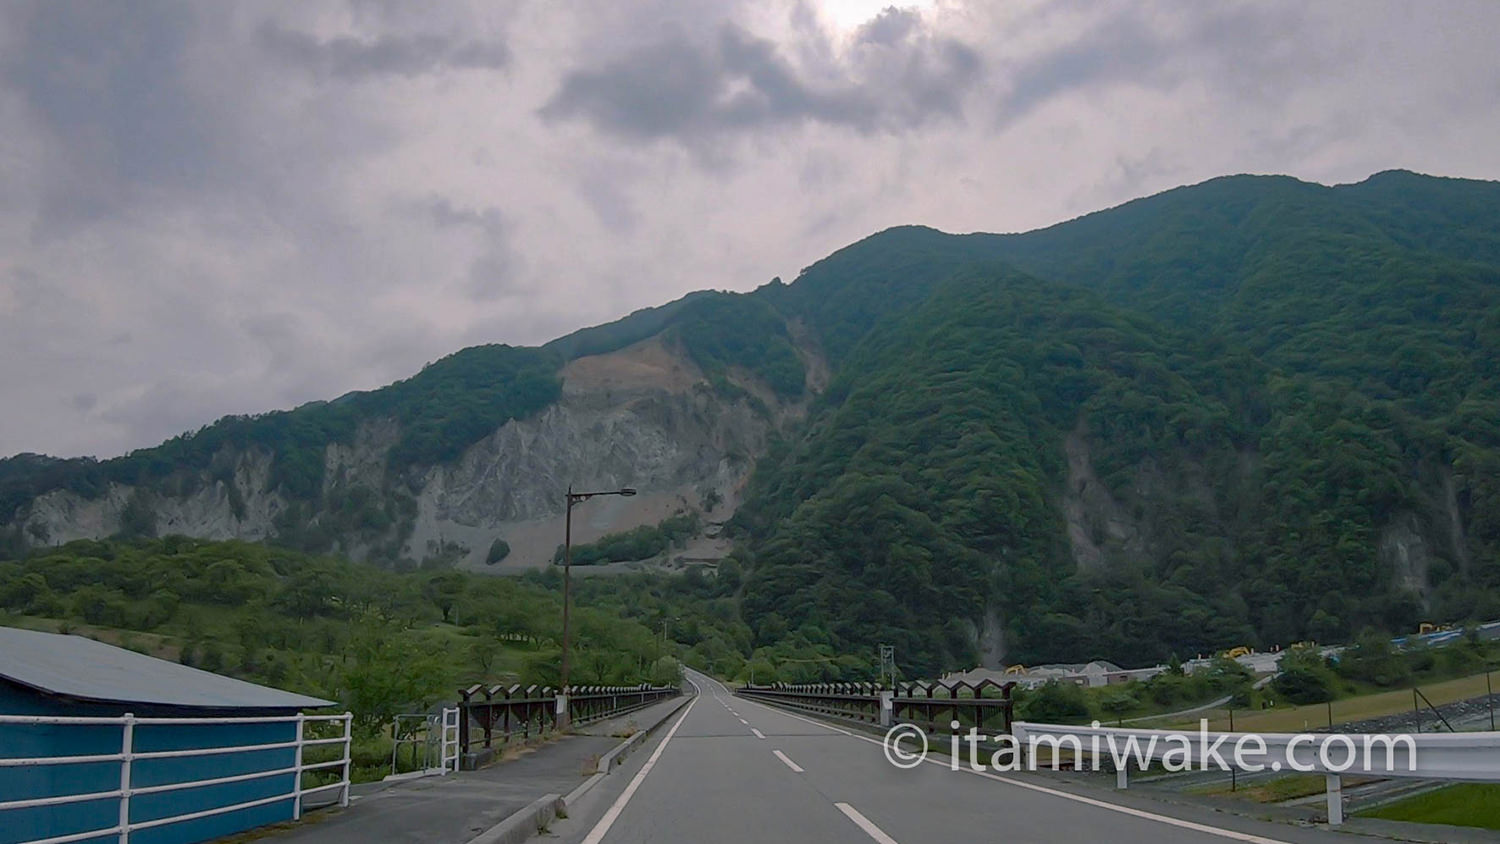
column 1471, row 757
column 128, row 756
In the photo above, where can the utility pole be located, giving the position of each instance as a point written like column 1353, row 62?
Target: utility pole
column 573, row 498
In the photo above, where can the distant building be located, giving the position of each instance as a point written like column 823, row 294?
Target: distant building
column 1090, row 674
column 46, row 678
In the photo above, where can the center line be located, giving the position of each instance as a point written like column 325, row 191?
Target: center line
column 789, row 763
column 758, row 733
column 865, row 824
column 743, row 721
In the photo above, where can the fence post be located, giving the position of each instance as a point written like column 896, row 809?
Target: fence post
column 348, row 757
column 297, row 775
column 886, row 708
column 127, row 753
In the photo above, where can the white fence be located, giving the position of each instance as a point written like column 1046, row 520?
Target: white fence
column 1471, row 757
column 449, row 758
column 128, row 756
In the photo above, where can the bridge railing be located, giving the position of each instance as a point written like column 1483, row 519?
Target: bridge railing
column 934, row 707
column 492, row 717
column 1471, row 757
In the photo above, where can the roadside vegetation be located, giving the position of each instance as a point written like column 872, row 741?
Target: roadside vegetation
column 1461, row 804
column 376, row 642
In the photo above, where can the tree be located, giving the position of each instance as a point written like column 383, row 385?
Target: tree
column 1304, row 677
column 1055, row 702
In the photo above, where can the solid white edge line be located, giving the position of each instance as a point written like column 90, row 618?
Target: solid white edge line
column 865, row 824
column 1113, row 807
column 758, row 733
column 602, row 828
column 789, row 763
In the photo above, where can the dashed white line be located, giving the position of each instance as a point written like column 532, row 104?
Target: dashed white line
column 1079, row 798
column 758, row 733
column 743, row 721
column 865, row 824
column 789, row 763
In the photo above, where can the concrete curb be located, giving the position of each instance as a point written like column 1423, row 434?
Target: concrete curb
column 611, row 760
column 523, row 824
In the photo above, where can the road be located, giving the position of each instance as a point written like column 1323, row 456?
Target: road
column 733, row 770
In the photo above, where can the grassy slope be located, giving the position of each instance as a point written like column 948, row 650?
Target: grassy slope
column 1463, row 804
column 1362, row 707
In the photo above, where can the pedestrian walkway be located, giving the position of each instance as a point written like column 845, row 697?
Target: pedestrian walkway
column 457, row 807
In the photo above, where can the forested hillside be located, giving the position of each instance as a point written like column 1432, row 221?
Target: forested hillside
column 1251, row 411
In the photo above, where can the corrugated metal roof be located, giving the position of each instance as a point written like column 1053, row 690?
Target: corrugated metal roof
column 81, row 668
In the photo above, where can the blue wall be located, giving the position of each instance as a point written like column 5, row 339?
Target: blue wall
column 18, row 740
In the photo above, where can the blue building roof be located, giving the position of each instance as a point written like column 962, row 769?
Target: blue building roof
column 83, row 669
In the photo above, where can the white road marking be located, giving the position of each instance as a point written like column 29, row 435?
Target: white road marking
column 865, row 824
column 789, row 763
column 1079, row 798
column 758, row 733
column 1113, row 807
column 602, row 828
column 743, row 721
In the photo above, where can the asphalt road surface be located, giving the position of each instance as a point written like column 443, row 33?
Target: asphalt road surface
column 733, row 770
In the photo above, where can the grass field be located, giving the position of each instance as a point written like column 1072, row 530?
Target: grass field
column 1463, row 804
column 1313, row 716
column 1270, row 791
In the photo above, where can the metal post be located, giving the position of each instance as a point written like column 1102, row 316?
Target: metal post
column 567, row 594
column 297, row 775
column 1234, row 779
column 1489, row 692
column 127, row 753
column 348, row 757
column 1416, row 713
column 1335, row 799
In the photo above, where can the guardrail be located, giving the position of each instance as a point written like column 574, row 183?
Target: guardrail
column 130, row 756
column 1473, row 757
column 932, row 706
column 502, row 715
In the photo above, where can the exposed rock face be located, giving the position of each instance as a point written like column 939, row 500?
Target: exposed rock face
column 1095, row 520
column 1404, row 551
column 217, row 509
column 643, row 416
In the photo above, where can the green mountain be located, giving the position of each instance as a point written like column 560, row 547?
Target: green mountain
column 1251, row 411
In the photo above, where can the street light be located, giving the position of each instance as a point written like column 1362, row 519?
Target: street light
column 573, row 498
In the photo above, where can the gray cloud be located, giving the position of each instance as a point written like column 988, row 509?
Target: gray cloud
column 108, row 84
column 689, row 89
column 890, row 27
column 229, row 208
column 1125, row 47
column 351, row 58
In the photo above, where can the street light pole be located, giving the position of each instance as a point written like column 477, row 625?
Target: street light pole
column 573, row 498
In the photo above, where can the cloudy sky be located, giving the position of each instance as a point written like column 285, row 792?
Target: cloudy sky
column 212, row 208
